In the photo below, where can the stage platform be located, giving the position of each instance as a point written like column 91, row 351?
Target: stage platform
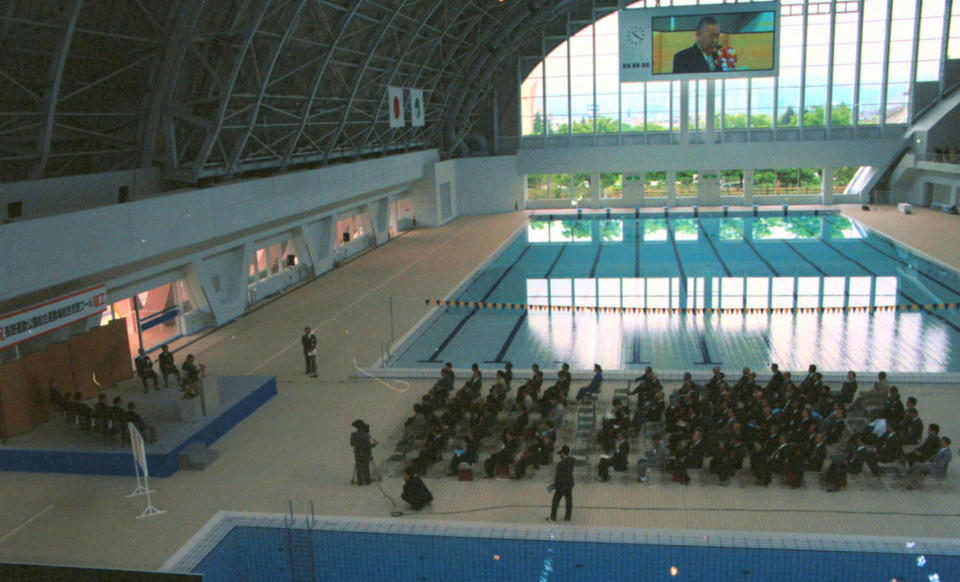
column 59, row 446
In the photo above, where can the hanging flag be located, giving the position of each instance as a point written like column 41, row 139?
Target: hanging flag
column 418, row 116
column 395, row 99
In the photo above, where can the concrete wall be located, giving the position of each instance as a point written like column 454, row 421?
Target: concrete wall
column 41, row 198
column 206, row 236
column 488, row 185
column 650, row 158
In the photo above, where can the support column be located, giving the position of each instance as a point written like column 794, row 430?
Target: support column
column 827, row 186
column 671, row 188
column 595, row 191
column 748, row 187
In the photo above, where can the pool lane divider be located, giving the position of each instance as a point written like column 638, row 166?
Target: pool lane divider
column 676, row 253
column 498, row 306
column 806, row 260
column 908, row 265
column 523, row 317
column 761, row 257
column 905, row 296
column 714, row 249
column 443, row 345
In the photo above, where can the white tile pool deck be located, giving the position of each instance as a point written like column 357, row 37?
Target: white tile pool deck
column 296, row 446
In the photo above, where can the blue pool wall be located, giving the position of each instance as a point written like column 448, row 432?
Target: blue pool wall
column 261, row 548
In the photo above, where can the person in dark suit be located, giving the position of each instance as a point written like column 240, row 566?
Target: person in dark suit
column 852, row 464
column 145, row 370
column 414, row 491
column 889, row 450
column 700, row 58
column 309, row 342
column 362, row 444
column 619, row 459
column 935, row 467
column 562, row 485
column 929, row 447
column 167, row 365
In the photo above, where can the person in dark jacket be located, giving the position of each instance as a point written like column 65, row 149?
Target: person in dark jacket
column 362, row 444
column 701, row 57
column 414, row 491
column 619, row 459
column 562, row 485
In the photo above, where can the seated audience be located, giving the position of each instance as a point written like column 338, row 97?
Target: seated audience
column 618, row 460
column 593, row 389
column 935, row 467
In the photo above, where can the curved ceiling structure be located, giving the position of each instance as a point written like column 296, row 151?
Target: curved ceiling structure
column 216, row 88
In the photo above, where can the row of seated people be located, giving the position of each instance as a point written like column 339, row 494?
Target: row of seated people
column 110, row 421
column 526, row 422
column 780, row 427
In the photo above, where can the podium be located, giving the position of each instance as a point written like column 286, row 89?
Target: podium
column 191, row 409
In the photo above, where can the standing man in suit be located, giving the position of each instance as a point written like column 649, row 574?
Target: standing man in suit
column 562, row 486
column 309, row 341
column 701, row 57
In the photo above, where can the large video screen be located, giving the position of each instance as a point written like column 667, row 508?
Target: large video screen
column 728, row 40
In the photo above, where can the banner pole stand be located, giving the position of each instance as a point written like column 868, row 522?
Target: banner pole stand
column 150, row 509
column 140, row 466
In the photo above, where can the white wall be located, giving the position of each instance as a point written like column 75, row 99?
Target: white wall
column 126, row 242
column 650, row 158
column 488, row 185
column 42, row 198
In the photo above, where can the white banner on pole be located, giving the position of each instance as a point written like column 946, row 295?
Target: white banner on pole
column 418, row 116
column 395, row 101
column 45, row 317
column 140, row 468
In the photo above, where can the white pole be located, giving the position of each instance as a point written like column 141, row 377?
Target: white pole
column 140, row 465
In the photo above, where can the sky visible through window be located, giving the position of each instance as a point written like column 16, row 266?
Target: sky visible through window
column 577, row 83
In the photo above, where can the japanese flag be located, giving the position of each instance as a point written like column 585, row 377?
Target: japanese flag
column 417, row 114
column 395, row 101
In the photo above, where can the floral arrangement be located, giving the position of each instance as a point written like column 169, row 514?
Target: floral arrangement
column 725, row 59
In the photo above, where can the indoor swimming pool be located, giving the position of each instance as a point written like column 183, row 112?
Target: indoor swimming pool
column 271, row 548
column 689, row 292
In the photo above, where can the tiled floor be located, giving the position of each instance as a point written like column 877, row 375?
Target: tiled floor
column 296, row 447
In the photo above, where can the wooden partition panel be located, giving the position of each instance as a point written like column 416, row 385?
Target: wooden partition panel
column 85, row 357
column 16, row 398
column 53, row 363
column 116, row 345
column 102, row 351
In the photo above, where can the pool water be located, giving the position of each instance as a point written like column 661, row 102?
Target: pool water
column 265, row 554
column 616, row 291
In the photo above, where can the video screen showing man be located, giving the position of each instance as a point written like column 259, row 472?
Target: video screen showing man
column 702, row 56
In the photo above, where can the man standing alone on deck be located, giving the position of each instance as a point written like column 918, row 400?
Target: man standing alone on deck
column 309, row 341
column 562, row 486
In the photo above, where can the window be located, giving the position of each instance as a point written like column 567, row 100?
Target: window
column 781, row 295
column 655, row 185
column 537, row 187
column 575, row 88
column 538, row 292
column 833, row 291
column 633, row 293
column 885, row 294
column 808, row 291
column 731, row 292
column 531, row 102
column 687, row 183
column 611, row 185
column 859, row 291
column 758, row 292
